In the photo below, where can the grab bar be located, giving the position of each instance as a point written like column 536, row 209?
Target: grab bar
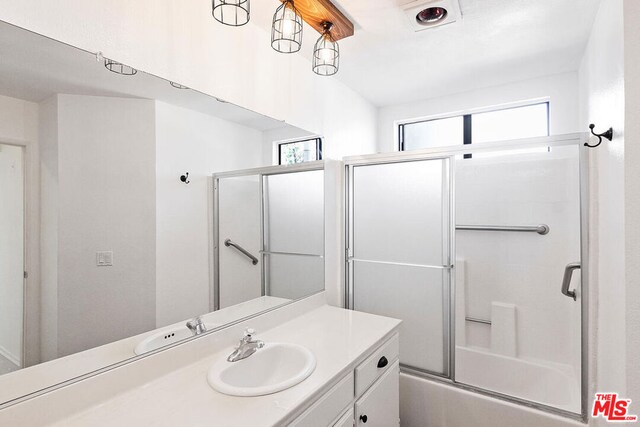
column 566, row 280
column 540, row 229
column 475, row 320
column 253, row 259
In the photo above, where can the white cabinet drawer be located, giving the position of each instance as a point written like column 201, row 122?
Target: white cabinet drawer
column 380, row 405
column 346, row 420
column 375, row 365
column 329, row 407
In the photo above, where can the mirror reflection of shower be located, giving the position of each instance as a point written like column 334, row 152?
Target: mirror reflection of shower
column 269, row 234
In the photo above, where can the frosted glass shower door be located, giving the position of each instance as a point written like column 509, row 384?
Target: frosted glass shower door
column 399, row 253
column 240, row 223
column 294, row 234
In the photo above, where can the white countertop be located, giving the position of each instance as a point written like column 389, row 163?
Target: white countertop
column 25, row 381
column 338, row 338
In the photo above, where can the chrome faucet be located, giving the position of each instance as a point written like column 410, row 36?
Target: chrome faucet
column 197, row 326
column 247, row 346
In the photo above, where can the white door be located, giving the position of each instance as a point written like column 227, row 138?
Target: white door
column 380, row 405
column 11, row 257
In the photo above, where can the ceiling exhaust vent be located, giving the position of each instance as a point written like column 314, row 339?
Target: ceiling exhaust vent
column 425, row 14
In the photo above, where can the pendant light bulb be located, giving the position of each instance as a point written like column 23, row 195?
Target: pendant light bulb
column 286, row 29
column 326, row 53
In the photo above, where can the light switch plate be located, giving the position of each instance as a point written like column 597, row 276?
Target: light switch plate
column 104, row 258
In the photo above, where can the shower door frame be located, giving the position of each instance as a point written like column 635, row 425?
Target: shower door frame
column 577, row 139
column 448, row 250
column 261, row 173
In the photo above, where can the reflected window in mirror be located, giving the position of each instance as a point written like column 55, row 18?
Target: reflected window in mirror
column 306, row 150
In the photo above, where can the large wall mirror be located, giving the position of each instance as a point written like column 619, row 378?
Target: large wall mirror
column 107, row 247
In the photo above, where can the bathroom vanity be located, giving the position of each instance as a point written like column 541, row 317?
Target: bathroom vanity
column 355, row 379
column 370, row 393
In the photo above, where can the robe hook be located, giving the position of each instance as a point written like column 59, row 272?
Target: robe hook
column 608, row 134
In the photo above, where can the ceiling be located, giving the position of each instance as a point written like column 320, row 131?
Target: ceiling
column 34, row 68
column 497, row 42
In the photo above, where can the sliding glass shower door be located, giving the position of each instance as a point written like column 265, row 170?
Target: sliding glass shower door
column 480, row 251
column 399, row 253
column 239, row 223
column 294, row 233
column 268, row 235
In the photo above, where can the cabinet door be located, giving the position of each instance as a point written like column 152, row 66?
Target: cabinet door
column 346, row 420
column 324, row 412
column 380, row 405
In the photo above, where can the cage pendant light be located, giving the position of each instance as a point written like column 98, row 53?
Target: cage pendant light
column 326, row 53
column 118, row 68
column 232, row 12
column 286, row 30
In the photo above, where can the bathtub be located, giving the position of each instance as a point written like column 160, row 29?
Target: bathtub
column 432, row 403
column 540, row 382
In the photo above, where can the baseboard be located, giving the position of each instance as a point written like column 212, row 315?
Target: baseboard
column 8, row 355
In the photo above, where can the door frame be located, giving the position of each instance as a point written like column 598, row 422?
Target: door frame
column 27, row 262
column 578, row 139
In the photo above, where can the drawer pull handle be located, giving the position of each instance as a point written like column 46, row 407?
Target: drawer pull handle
column 382, row 362
column 363, row 418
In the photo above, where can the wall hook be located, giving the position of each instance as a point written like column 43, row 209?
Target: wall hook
column 608, row 134
column 185, row 178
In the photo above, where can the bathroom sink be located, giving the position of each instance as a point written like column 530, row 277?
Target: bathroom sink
column 273, row 368
column 163, row 338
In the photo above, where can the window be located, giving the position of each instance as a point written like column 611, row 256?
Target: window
column 499, row 125
column 307, row 150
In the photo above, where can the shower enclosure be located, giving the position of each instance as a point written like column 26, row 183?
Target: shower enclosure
column 268, row 234
column 481, row 251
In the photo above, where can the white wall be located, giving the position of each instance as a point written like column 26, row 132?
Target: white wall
column 348, row 122
column 560, row 89
column 602, row 98
column 11, row 252
column 104, row 159
column 632, row 197
column 47, row 308
column 192, row 142
column 18, row 121
column 182, row 42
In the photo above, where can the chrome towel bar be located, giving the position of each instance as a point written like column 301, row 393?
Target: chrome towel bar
column 245, row 252
column 540, row 229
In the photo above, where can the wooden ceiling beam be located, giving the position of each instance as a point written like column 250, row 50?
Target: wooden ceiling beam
column 315, row 12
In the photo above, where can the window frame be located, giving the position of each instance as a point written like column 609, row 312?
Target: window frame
column 318, row 140
column 468, row 120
